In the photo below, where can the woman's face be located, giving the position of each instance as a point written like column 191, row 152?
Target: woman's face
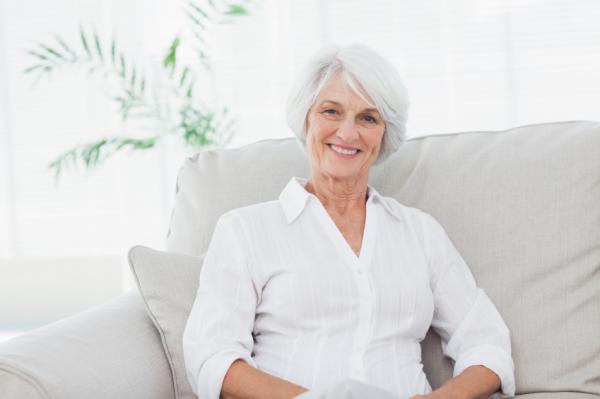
column 340, row 121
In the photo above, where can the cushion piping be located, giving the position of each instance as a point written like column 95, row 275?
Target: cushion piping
column 10, row 368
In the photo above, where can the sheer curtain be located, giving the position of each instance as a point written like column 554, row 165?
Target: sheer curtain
column 468, row 65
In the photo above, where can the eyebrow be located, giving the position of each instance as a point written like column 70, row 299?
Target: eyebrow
column 338, row 104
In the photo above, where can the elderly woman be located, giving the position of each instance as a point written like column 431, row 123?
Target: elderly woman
column 331, row 288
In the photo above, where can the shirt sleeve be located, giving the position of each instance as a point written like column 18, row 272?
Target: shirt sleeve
column 219, row 328
column 471, row 328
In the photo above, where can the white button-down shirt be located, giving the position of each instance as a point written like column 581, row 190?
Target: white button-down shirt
column 282, row 289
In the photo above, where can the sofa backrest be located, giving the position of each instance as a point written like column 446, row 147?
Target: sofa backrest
column 521, row 205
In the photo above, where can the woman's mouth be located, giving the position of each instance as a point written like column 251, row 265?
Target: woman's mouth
column 342, row 152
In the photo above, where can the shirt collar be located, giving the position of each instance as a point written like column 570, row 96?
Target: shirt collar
column 294, row 198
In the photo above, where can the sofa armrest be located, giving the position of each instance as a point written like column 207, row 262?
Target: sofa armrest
column 110, row 351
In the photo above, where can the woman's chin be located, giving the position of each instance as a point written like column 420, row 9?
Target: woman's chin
column 341, row 172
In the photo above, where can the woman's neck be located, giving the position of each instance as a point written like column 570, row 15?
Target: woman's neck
column 342, row 196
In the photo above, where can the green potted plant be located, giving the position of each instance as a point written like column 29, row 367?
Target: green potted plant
column 178, row 111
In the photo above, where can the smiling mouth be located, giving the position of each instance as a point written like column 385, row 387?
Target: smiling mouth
column 342, row 151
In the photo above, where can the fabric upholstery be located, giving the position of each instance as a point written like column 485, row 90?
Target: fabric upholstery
column 521, row 205
column 557, row 395
column 352, row 389
column 16, row 384
column 110, row 351
column 168, row 283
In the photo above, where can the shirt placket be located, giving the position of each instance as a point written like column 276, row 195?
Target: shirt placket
column 360, row 269
column 361, row 273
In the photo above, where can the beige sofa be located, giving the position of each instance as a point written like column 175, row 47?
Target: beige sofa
column 521, row 205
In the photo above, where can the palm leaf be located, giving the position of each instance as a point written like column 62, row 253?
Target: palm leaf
column 68, row 49
column 132, row 80
column 198, row 10
column 113, row 48
column 52, row 51
column 196, row 21
column 84, row 42
column 236, row 10
column 33, row 68
column 184, row 75
column 98, row 46
column 38, row 55
column 170, row 59
column 122, row 63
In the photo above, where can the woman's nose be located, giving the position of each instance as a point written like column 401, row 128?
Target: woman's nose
column 348, row 131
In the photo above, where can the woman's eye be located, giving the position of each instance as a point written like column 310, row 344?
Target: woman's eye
column 330, row 111
column 369, row 119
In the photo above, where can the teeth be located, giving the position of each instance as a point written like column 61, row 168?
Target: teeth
column 343, row 151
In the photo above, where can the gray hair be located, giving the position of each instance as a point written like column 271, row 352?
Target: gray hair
column 357, row 63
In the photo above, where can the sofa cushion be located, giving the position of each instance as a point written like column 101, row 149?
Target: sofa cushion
column 15, row 384
column 109, row 351
column 521, row 205
column 168, row 283
column 558, row 395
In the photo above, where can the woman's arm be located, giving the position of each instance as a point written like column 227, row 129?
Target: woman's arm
column 217, row 340
column 471, row 329
column 243, row 381
column 475, row 382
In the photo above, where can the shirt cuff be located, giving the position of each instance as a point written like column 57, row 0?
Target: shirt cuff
column 210, row 380
column 493, row 358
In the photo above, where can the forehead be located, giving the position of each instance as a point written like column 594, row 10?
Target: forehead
column 338, row 90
